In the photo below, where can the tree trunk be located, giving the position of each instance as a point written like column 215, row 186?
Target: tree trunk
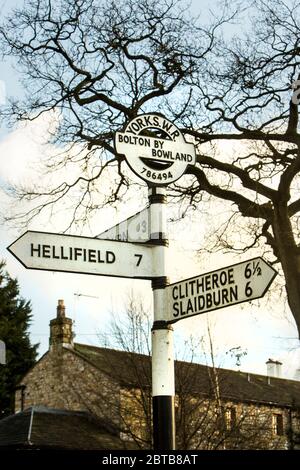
column 289, row 256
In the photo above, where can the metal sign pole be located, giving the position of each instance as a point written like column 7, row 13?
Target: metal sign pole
column 163, row 384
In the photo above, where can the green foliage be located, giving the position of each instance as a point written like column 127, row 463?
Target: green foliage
column 15, row 317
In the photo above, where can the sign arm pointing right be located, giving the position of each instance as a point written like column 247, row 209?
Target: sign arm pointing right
column 230, row 285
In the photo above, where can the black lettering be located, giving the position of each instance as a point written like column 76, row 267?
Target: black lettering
column 233, row 291
column 139, row 257
column 192, row 286
column 225, row 296
column 148, row 121
column 223, row 278
column 217, row 297
column 208, row 300
column 135, row 126
column 62, row 254
column 166, row 125
column 77, row 252
column 201, row 302
column 189, row 308
column 200, row 285
column 35, row 250
column 110, row 257
column 100, row 260
column 215, row 284
column 46, row 251
column 186, row 289
column 156, row 121
column 92, row 256
column 181, row 294
column 230, row 276
column 175, row 309
column 145, row 142
column 54, row 256
column 140, row 122
column 182, row 312
column 207, row 283
column 175, row 296
column 128, row 129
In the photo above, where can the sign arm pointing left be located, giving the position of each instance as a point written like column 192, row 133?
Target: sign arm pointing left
column 69, row 253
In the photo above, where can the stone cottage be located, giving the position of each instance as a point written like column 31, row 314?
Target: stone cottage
column 215, row 408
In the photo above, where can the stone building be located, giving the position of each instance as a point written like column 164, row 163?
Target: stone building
column 215, row 408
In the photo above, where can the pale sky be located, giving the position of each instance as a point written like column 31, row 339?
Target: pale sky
column 266, row 330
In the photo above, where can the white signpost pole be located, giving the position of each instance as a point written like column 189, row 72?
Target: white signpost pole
column 163, row 383
column 159, row 162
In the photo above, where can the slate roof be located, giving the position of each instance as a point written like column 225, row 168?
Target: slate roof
column 46, row 428
column 130, row 369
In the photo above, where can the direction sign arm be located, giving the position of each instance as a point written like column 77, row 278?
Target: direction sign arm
column 84, row 255
column 218, row 289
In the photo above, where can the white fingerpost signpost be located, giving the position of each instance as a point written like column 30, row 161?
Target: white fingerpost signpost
column 157, row 152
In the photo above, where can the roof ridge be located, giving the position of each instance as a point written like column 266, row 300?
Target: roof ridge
column 103, row 348
column 45, row 409
column 195, row 364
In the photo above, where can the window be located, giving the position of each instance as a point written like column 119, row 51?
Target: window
column 230, row 418
column 277, row 424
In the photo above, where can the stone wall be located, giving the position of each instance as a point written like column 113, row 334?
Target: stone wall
column 62, row 379
column 136, row 416
column 212, row 425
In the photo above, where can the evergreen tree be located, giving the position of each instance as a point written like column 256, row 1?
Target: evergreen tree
column 15, row 317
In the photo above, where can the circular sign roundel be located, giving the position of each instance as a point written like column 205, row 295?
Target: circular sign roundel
column 155, row 149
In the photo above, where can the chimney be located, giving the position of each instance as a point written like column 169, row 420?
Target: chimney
column 274, row 368
column 297, row 375
column 61, row 334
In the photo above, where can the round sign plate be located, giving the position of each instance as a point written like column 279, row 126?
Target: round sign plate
column 155, row 149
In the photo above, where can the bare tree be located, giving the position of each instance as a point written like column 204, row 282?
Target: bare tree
column 251, row 97
column 103, row 63
column 206, row 417
column 95, row 64
column 131, row 333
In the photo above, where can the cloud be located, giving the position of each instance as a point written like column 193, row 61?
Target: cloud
column 22, row 150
